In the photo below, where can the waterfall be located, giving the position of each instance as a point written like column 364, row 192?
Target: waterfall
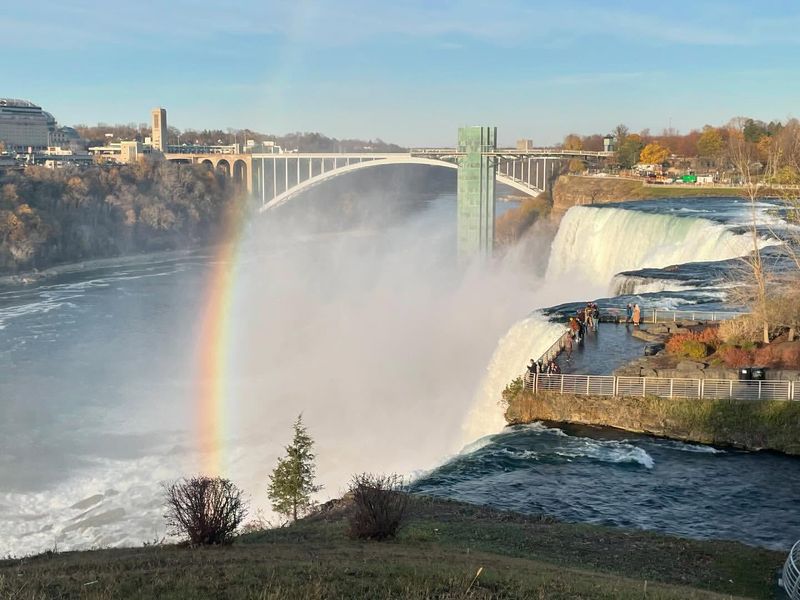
column 594, row 244
column 625, row 285
column 527, row 339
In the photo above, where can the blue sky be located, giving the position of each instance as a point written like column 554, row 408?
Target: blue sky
column 405, row 71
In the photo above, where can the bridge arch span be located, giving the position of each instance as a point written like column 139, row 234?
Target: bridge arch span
column 287, row 195
column 239, row 171
column 224, row 167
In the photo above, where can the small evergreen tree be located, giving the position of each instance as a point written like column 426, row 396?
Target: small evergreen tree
column 292, row 481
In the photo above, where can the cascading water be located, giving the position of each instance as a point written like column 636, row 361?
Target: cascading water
column 630, row 285
column 528, row 338
column 593, row 244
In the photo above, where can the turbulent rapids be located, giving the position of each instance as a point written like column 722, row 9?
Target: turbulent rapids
column 372, row 335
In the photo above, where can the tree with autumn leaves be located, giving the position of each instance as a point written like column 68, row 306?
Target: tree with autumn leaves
column 654, row 154
column 66, row 215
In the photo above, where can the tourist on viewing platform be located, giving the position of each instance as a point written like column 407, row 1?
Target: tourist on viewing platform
column 628, row 314
column 552, row 368
column 568, row 347
column 637, row 315
column 574, row 327
column 530, row 372
column 589, row 316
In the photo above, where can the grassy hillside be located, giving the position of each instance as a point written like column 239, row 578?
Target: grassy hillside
column 437, row 556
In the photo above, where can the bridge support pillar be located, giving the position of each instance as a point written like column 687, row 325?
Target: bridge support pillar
column 476, row 191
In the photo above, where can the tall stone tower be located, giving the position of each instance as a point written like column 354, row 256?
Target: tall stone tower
column 476, row 190
column 160, row 135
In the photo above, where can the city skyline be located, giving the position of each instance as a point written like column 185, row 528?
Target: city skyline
column 409, row 73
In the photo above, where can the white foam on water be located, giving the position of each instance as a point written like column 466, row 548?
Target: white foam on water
column 607, row 451
column 630, row 285
column 540, row 427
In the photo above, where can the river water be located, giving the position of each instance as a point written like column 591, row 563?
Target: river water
column 377, row 339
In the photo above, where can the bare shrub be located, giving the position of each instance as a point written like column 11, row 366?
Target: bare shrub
column 738, row 330
column 207, row 510
column 379, row 506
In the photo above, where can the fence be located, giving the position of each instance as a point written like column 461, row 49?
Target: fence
column 710, row 389
column 553, row 351
column 791, row 573
column 659, row 315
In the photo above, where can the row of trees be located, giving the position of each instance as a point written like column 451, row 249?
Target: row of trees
column 66, row 215
column 711, row 144
column 210, row 510
column 97, row 135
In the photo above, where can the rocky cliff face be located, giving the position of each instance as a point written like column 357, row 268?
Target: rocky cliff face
column 572, row 190
column 751, row 425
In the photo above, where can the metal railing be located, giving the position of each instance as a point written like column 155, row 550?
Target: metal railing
column 555, row 349
column 790, row 580
column 662, row 387
column 660, row 315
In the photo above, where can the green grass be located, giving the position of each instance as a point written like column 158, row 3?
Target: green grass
column 437, row 555
column 666, row 191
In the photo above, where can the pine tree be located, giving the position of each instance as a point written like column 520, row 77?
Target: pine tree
column 292, row 482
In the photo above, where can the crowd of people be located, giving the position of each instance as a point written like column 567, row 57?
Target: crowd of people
column 536, row 367
column 585, row 320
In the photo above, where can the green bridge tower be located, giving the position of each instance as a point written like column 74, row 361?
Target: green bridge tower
column 476, row 190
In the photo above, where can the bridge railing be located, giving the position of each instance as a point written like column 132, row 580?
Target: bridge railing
column 790, row 578
column 662, row 387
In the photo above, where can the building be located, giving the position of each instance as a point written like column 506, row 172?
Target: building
column 24, row 126
column 57, row 158
column 524, row 144
column 68, row 138
column 123, row 152
column 160, row 133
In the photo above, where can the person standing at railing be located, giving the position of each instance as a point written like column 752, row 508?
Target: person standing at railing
column 568, row 346
column 530, row 374
column 637, row 315
column 628, row 313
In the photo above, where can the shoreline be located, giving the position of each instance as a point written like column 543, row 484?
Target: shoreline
column 39, row 276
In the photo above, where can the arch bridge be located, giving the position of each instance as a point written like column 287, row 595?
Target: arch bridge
column 276, row 178
column 237, row 166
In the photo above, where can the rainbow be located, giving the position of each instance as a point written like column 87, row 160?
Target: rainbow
column 213, row 346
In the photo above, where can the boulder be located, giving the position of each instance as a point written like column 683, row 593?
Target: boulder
column 690, row 365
